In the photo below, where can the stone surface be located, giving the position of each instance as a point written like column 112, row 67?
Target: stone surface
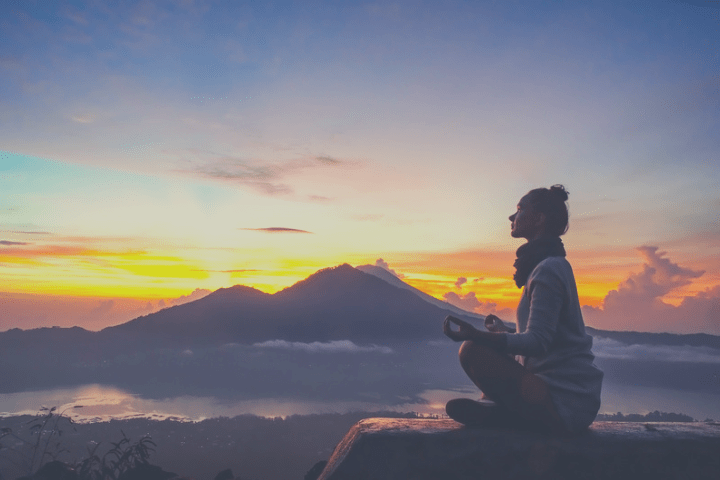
column 418, row 449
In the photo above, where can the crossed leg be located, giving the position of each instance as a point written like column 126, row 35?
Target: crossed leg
column 523, row 399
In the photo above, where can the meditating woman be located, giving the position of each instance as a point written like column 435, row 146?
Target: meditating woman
column 552, row 384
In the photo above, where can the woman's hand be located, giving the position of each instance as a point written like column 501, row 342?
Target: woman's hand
column 495, row 325
column 468, row 332
column 465, row 331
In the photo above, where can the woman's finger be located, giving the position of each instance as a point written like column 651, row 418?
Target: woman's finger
column 446, row 327
column 457, row 321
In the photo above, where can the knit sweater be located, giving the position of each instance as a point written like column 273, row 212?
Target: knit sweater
column 551, row 342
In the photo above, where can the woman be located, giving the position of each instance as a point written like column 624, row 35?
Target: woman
column 552, row 384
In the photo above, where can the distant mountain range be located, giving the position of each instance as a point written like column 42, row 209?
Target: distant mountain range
column 340, row 303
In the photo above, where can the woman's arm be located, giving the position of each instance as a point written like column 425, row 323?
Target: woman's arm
column 547, row 293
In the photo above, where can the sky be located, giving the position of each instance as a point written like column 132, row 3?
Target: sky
column 152, row 152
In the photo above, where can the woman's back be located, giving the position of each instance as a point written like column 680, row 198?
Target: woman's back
column 554, row 343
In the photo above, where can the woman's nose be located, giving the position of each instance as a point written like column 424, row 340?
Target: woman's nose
column 512, row 217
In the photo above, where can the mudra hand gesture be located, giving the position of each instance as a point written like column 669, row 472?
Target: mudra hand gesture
column 465, row 332
column 495, row 325
column 468, row 332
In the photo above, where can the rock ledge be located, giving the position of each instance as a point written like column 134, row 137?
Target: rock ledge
column 419, row 449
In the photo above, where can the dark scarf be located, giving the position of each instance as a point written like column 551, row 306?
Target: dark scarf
column 534, row 252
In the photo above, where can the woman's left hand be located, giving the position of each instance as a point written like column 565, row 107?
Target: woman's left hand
column 465, row 331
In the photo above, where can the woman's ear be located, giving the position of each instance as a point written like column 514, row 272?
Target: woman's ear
column 540, row 221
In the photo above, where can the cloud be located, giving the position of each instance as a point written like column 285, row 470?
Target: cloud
column 328, row 160
column 264, row 177
column 196, row 294
column 83, row 118
column 608, row 348
column 371, row 217
column 467, row 302
column 658, row 277
column 335, row 346
column 470, row 303
column 235, row 270
column 637, row 303
column 100, row 311
column 277, row 230
column 74, row 15
column 384, row 265
column 8, row 242
column 261, row 176
column 319, row 198
column 460, row 282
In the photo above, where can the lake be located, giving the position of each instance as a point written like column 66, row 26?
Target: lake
column 103, row 402
column 278, row 382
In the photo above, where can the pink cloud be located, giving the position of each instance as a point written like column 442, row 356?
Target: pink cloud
column 470, row 303
column 638, row 304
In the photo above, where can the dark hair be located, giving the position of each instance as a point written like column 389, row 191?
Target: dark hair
column 551, row 203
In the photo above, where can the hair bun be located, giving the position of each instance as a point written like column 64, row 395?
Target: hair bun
column 560, row 191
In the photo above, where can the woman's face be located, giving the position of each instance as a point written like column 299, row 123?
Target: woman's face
column 526, row 222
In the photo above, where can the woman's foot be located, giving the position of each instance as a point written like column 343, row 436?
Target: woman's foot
column 473, row 413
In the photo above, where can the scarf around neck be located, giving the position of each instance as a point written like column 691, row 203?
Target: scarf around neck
column 534, row 252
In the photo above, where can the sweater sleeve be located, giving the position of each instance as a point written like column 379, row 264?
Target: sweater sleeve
column 547, row 293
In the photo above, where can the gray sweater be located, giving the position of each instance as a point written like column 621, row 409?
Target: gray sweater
column 551, row 342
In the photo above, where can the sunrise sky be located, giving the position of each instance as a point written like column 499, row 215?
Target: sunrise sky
column 151, row 152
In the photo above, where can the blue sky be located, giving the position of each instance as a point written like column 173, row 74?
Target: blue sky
column 401, row 130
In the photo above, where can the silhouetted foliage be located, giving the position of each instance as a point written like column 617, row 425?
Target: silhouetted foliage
column 41, row 440
column 655, row 416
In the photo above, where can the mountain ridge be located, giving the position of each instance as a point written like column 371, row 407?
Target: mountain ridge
column 335, row 303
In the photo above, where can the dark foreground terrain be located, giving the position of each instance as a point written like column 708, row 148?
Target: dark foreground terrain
column 255, row 448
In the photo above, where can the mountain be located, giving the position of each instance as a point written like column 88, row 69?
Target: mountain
column 340, row 303
column 395, row 281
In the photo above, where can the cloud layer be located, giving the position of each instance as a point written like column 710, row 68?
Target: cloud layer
column 607, row 348
column 277, row 230
column 335, row 346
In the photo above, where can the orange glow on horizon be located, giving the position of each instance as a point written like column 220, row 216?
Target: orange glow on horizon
column 157, row 275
